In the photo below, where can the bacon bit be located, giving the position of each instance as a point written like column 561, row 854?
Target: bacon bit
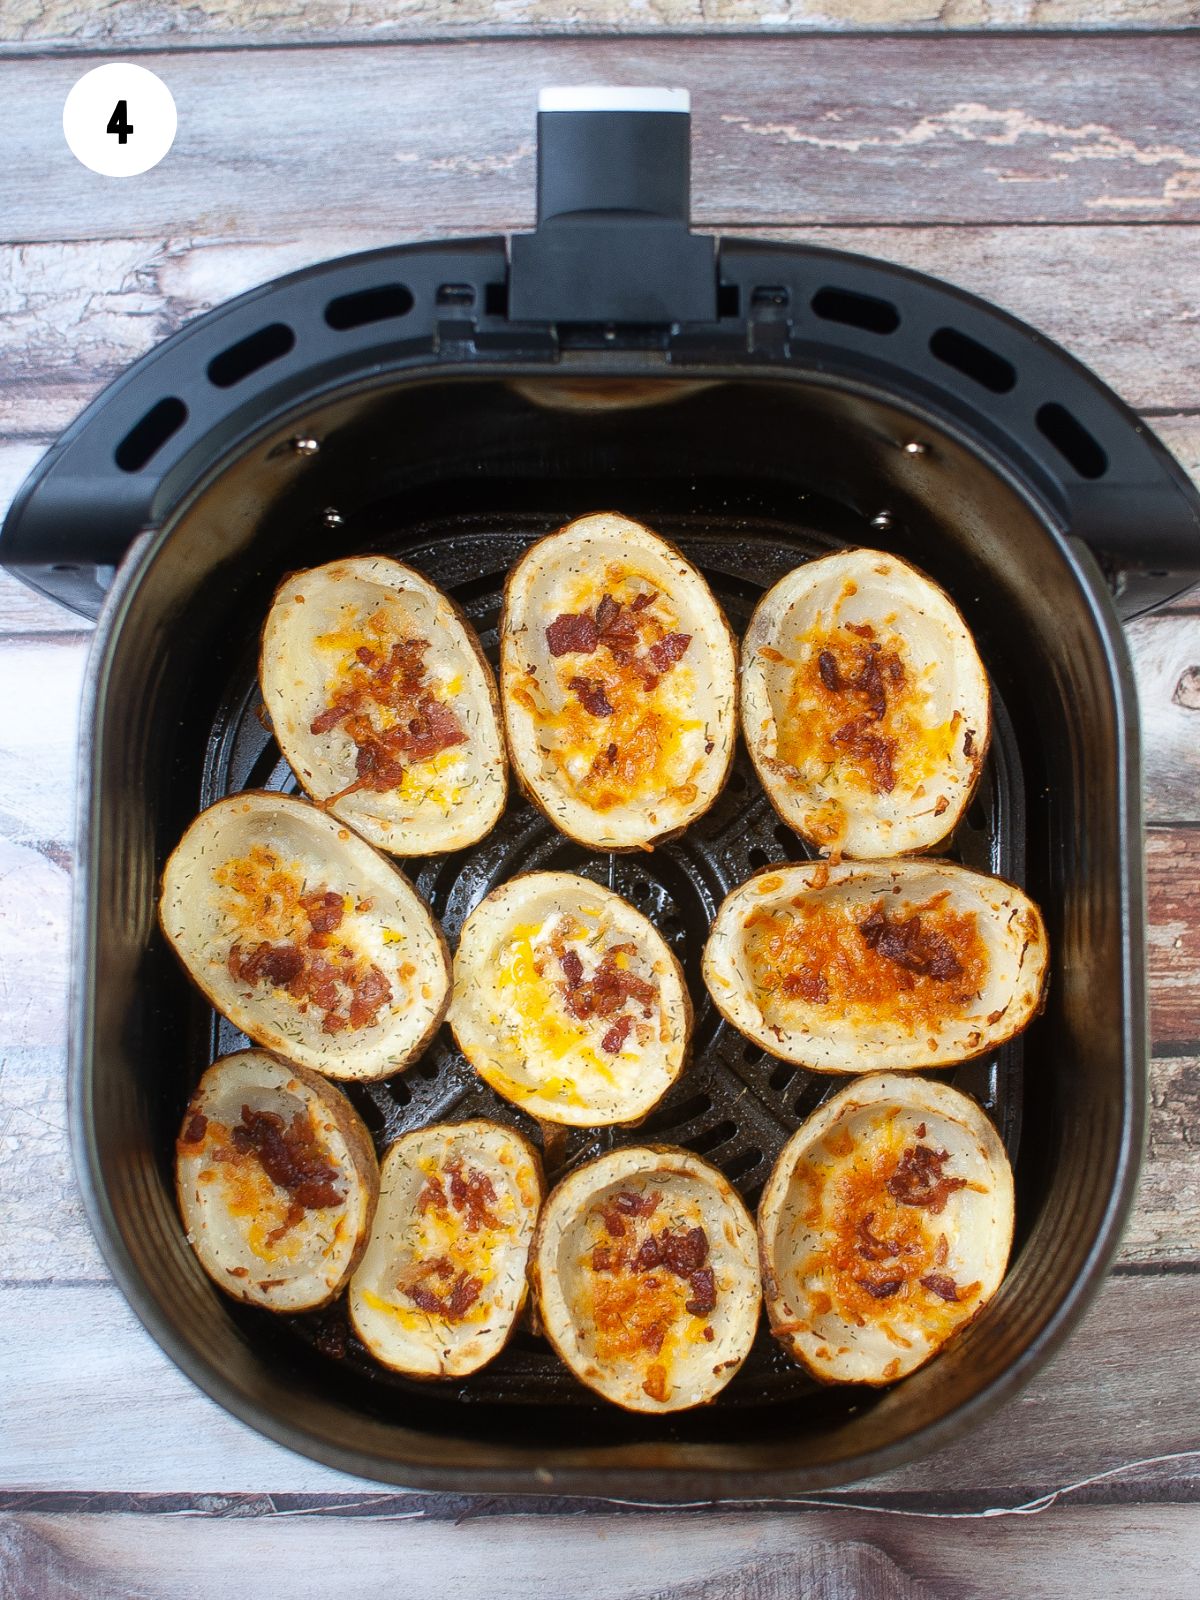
column 874, row 665
column 290, row 1156
column 615, row 1038
column 425, row 1299
column 918, row 1180
column 423, row 726
column 708, row 1333
column 808, row 985
column 603, row 1259
column 609, row 987
column 864, row 630
column 572, row 968
column 472, row 1195
column 669, row 649
column 881, row 1288
column 940, row 1284
column 294, row 1214
column 324, row 909
column 684, row 1253
column 874, row 751
column 632, row 1204
column 649, row 1255
column 572, row 632
column 921, row 1130
column 654, row 1337
column 704, row 1292
column 592, row 697
column 870, row 1246
column 367, row 995
column 462, row 1297
column 432, row 1194
column 656, row 1383
column 280, row 964
column 197, row 1127
column 969, row 742
column 928, row 955
column 769, row 653
column 645, row 598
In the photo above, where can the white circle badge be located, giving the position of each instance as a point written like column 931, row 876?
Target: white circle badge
column 119, row 119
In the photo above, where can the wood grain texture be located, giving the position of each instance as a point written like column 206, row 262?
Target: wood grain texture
column 1153, row 1552
column 891, row 130
column 95, row 1389
column 50, row 24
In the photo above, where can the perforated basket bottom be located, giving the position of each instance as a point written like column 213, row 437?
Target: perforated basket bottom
column 735, row 1104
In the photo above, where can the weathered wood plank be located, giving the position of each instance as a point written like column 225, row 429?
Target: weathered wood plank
column 95, row 1390
column 1124, row 300
column 785, row 131
column 73, row 24
column 1107, row 1553
column 1166, row 659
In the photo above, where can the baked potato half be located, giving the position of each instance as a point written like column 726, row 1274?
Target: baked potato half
column 568, row 1001
column 865, row 706
column 865, row 966
column 305, row 937
column 645, row 1271
column 618, row 681
column 384, row 705
column 885, row 1228
column 443, row 1279
column 276, row 1180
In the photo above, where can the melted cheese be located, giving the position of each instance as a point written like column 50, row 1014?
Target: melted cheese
column 541, row 1033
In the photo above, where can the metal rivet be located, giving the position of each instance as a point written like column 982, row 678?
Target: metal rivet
column 914, row 447
column 882, row 519
column 332, row 518
column 305, row 446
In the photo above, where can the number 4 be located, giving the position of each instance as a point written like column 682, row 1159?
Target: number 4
column 117, row 122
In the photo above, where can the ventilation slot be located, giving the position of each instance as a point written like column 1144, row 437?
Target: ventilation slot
column 147, row 437
column 729, row 300
column 856, row 310
column 741, row 1165
column 250, row 355
column 1072, row 440
column 495, row 299
column 368, row 305
column 461, row 295
column 973, row 360
column 710, row 1138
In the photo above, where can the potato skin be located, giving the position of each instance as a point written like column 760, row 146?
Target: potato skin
column 524, row 781
column 359, row 1146
column 667, row 1160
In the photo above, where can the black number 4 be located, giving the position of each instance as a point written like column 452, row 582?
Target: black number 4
column 117, row 123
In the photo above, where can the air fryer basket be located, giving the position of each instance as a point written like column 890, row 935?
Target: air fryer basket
column 758, row 405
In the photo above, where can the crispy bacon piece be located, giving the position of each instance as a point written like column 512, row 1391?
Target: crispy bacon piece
column 609, row 987
column 603, row 1259
column 572, row 632
column 614, row 1039
column 877, row 668
column 870, row 1246
column 669, row 649
column 807, row 984
column 324, row 909
column 642, row 600
column 874, row 751
column 941, row 1284
column 572, row 967
column 925, row 953
column 592, row 696
column 432, row 1195
column 279, row 964
column 472, row 1195
column 290, row 1156
column 423, row 725
column 685, row 1252
column 918, row 1180
column 367, row 995
column 197, row 1127
column 463, row 1291
column 649, row 1254
column 704, row 1292
column 881, row 1288
column 626, row 1203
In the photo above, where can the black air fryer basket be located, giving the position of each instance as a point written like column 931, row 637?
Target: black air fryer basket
column 759, row 404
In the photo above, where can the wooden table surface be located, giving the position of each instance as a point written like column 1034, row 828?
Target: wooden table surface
column 1044, row 153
